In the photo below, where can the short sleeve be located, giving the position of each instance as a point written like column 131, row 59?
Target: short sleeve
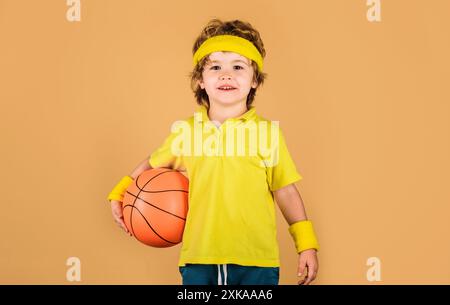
column 165, row 155
column 283, row 171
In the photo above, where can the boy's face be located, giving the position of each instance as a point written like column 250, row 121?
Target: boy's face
column 227, row 68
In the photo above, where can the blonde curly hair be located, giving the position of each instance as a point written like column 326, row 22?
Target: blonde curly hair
column 218, row 27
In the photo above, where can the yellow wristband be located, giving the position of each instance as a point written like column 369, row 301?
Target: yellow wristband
column 303, row 234
column 120, row 189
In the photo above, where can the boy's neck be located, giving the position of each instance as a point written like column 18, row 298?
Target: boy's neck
column 220, row 113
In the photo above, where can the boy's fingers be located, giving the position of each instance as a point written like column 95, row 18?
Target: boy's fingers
column 118, row 214
column 118, row 218
column 302, row 280
column 121, row 224
column 301, row 267
column 126, row 229
column 311, row 275
column 301, row 271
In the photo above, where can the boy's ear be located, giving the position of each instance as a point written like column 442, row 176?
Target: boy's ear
column 200, row 83
column 254, row 84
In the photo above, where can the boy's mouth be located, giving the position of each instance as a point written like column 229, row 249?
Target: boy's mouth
column 226, row 88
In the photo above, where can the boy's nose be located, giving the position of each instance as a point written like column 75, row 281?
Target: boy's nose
column 225, row 76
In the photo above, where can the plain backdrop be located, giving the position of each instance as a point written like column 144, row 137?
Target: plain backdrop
column 364, row 107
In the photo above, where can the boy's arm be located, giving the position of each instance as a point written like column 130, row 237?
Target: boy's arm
column 116, row 205
column 291, row 205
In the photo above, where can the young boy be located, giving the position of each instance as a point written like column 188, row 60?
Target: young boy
column 230, row 231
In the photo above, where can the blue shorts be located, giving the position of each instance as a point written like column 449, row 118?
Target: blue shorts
column 229, row 274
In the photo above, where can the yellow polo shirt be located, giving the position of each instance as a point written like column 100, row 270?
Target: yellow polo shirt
column 231, row 217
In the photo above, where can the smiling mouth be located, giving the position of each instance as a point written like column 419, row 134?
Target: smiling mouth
column 226, row 89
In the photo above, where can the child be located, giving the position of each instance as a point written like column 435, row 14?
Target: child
column 230, row 231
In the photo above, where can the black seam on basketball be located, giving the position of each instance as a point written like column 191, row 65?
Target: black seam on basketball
column 169, row 171
column 154, row 206
column 140, row 190
column 133, row 207
column 131, row 213
column 136, row 184
column 144, row 191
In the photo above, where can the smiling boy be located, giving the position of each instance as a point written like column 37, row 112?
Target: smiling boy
column 230, row 231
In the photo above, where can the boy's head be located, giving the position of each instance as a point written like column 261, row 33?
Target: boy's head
column 240, row 67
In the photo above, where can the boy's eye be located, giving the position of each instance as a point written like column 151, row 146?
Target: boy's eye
column 236, row 67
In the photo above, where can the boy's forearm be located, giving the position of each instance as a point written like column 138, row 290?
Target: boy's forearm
column 300, row 228
column 291, row 204
column 142, row 167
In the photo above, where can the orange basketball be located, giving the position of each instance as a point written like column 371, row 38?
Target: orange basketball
column 155, row 206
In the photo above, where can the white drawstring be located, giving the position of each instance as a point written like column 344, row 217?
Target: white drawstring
column 219, row 276
column 225, row 273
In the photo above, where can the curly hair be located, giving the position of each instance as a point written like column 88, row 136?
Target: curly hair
column 218, row 27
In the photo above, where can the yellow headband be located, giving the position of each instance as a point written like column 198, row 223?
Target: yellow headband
column 229, row 43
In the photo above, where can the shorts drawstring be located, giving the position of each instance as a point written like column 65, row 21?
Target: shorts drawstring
column 219, row 275
column 225, row 274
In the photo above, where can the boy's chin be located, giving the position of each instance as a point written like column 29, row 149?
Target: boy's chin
column 228, row 102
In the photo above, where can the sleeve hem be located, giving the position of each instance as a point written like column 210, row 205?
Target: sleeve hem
column 294, row 179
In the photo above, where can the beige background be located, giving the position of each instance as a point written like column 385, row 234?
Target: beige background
column 364, row 106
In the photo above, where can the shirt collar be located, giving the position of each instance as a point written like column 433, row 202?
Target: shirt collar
column 249, row 115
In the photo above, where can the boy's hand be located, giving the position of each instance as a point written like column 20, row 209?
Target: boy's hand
column 307, row 261
column 116, row 209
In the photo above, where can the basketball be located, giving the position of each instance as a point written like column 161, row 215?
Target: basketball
column 155, row 206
